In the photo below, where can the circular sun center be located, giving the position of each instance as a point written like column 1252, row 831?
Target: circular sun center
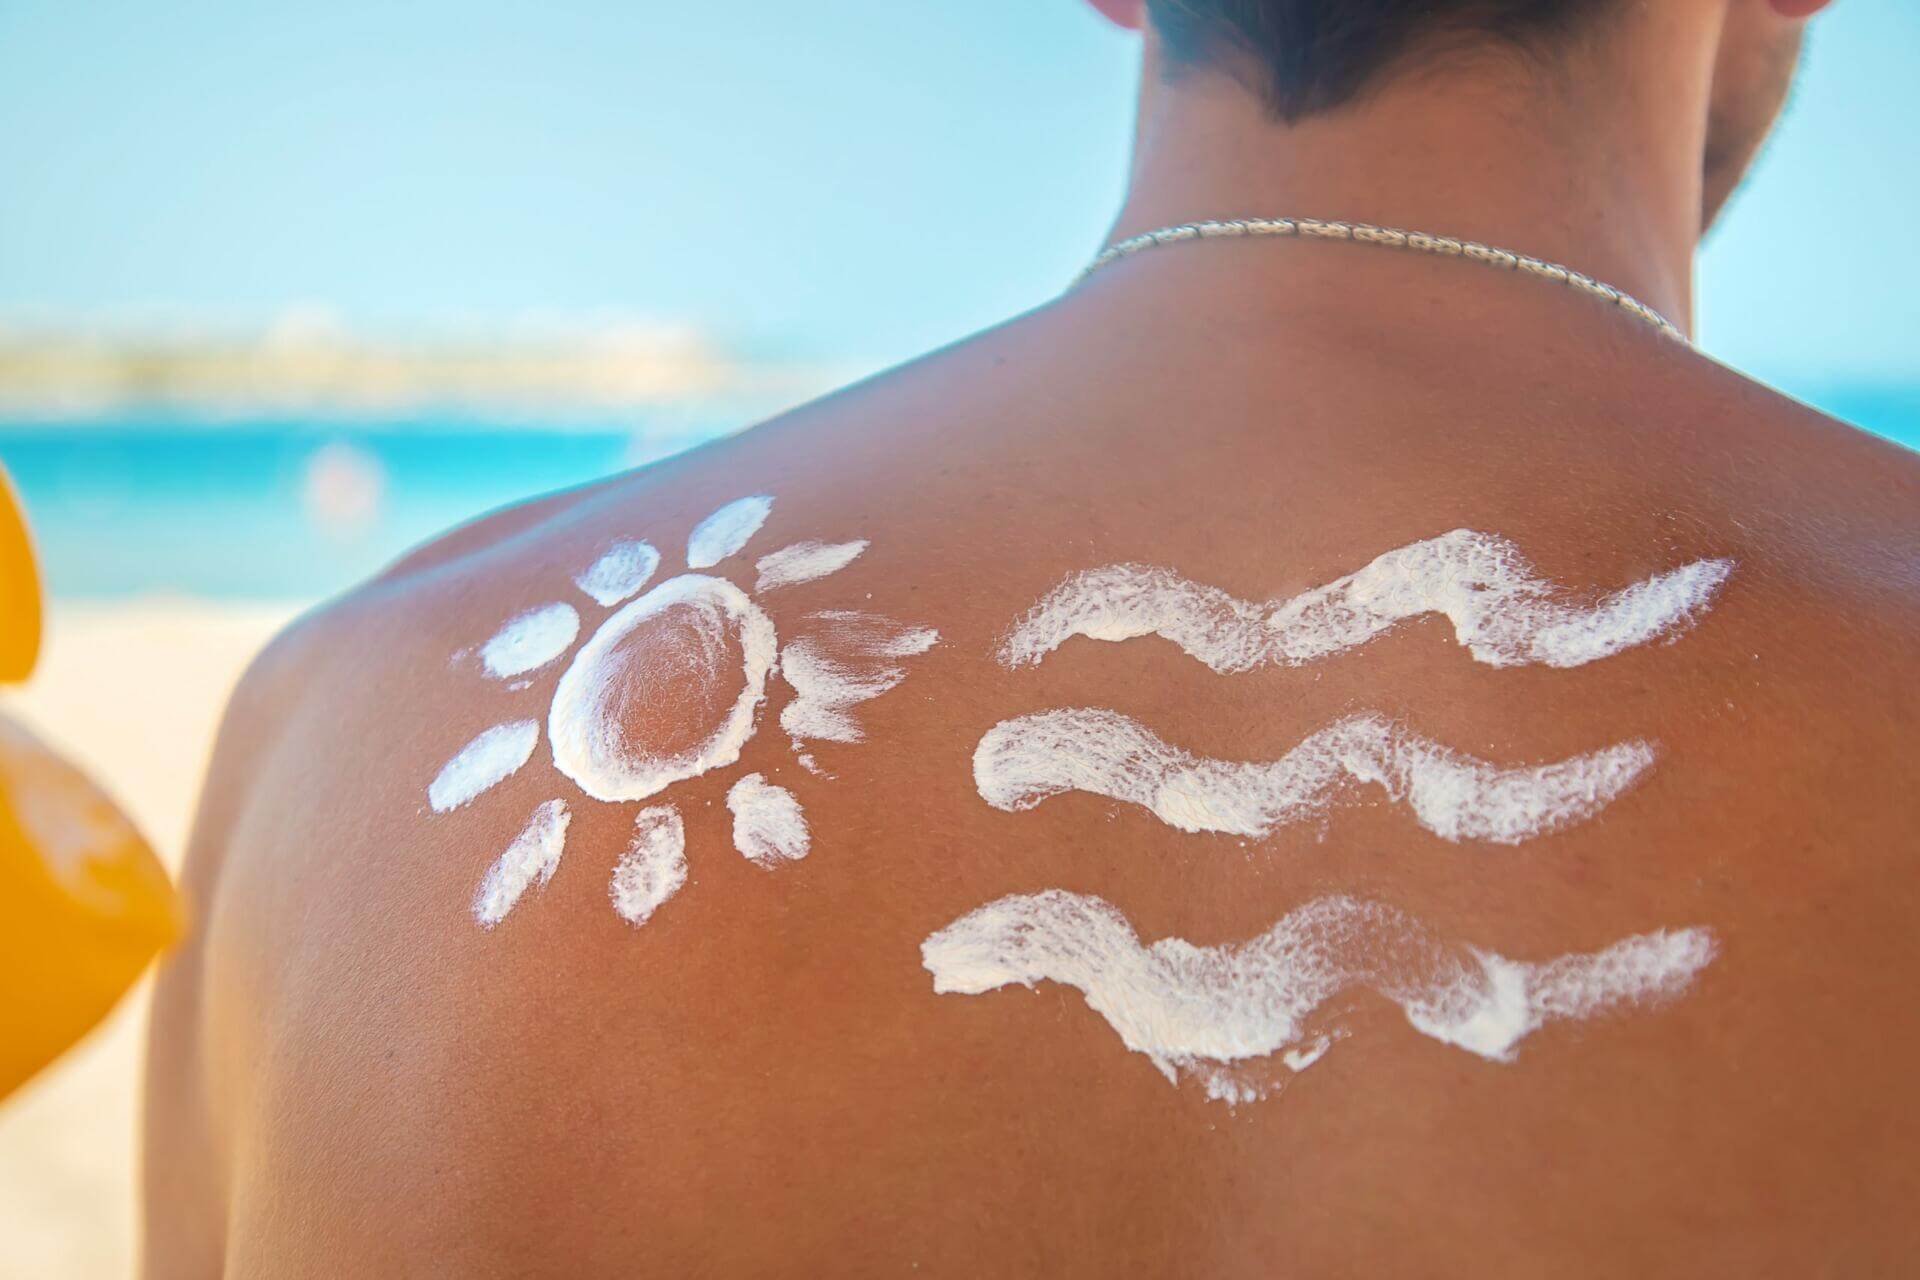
column 671, row 680
column 666, row 689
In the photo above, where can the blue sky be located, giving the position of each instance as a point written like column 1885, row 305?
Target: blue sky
column 850, row 182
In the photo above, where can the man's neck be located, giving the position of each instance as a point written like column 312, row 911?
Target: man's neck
column 1583, row 171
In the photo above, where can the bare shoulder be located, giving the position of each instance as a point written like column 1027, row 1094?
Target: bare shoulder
column 1830, row 516
column 513, row 828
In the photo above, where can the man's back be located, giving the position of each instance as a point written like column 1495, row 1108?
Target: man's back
column 1557, row 930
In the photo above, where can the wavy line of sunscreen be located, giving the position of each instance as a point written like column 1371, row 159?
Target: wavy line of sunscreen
column 1197, row 1009
column 1022, row 761
column 1502, row 611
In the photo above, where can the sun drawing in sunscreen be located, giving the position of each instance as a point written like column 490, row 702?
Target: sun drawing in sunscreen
column 670, row 686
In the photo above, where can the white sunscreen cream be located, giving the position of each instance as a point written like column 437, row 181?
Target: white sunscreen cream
column 726, row 531
column 769, row 827
column 622, row 569
column 1502, row 611
column 668, row 687
column 849, row 658
column 532, row 858
column 653, row 867
column 493, row 756
column 530, row 640
column 1023, row 761
column 1199, row 1010
column 804, row 562
column 685, row 629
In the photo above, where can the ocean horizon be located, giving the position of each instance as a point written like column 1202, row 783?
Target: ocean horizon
column 283, row 509
column 130, row 504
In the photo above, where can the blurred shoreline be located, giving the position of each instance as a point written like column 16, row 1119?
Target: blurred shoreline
column 284, row 508
column 142, row 447
column 308, row 362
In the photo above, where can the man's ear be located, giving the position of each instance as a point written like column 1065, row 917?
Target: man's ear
column 1131, row 14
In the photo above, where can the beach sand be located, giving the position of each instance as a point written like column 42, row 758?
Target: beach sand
column 132, row 693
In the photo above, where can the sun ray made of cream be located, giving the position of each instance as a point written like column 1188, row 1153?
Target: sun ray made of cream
column 1503, row 612
column 1238, row 1017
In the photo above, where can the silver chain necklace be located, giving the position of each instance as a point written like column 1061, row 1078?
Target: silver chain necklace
column 1366, row 233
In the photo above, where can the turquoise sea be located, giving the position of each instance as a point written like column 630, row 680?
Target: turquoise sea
column 279, row 509
column 299, row 509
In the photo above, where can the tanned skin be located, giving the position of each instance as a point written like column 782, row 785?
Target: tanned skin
column 349, row 1077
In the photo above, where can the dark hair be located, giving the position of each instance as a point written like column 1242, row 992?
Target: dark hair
column 1312, row 55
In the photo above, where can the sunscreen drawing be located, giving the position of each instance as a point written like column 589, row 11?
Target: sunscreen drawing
column 619, row 573
column 532, row 858
column 492, row 757
column 1503, row 612
column 719, row 640
column 1239, row 1017
column 530, row 641
column 1242, row 1018
column 654, row 866
column 849, row 658
column 669, row 686
column 769, row 827
column 1023, row 761
column 726, row 531
column 805, row 561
